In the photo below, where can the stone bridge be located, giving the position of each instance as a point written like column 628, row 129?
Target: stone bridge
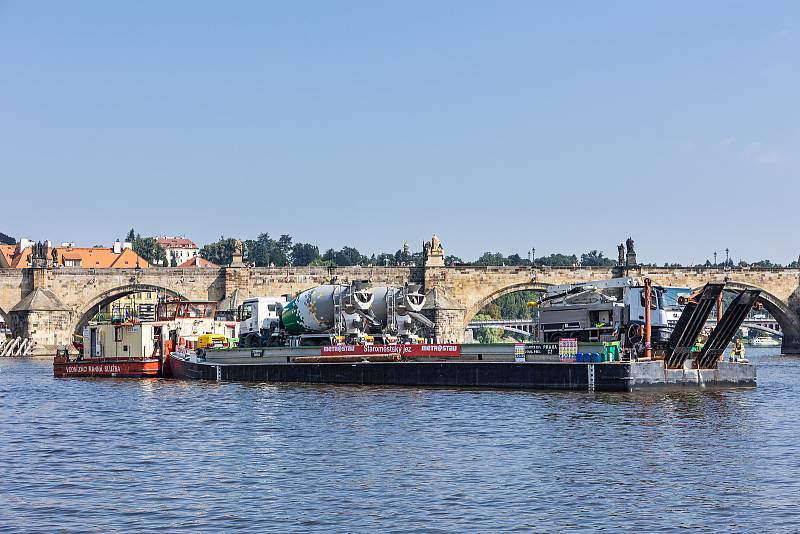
column 49, row 304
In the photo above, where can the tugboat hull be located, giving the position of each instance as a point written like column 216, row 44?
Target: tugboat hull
column 108, row 367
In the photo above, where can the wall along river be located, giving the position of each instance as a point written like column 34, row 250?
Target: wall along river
column 106, row 455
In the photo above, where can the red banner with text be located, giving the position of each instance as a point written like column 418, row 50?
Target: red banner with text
column 438, row 350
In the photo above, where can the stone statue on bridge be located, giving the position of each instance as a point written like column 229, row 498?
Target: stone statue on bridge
column 238, row 253
column 630, row 257
column 620, row 254
column 434, row 253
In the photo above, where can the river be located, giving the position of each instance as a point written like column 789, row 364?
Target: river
column 103, row 455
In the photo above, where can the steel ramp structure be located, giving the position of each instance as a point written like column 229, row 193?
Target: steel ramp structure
column 691, row 322
column 722, row 334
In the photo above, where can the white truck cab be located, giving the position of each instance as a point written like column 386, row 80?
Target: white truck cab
column 257, row 315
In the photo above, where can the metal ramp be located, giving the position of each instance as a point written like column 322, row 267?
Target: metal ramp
column 691, row 322
column 733, row 318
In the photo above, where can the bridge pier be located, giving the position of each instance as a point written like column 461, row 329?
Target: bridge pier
column 447, row 315
column 790, row 345
column 43, row 319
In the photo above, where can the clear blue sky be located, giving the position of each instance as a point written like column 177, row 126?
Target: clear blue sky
column 498, row 125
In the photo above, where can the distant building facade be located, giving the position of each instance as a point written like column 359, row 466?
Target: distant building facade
column 180, row 249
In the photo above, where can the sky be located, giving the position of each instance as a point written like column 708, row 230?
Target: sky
column 500, row 126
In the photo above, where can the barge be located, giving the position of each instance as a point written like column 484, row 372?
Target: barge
column 476, row 366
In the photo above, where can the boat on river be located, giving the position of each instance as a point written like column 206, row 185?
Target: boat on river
column 765, row 341
column 134, row 349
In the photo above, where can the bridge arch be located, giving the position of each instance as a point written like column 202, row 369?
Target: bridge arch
column 470, row 314
column 779, row 310
column 89, row 310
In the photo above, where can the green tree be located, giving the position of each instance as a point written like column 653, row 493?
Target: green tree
column 319, row 262
column 219, row 252
column 304, row 254
column 487, row 335
column 345, row 257
column 348, row 256
column 265, row 251
column 764, row 264
column 487, row 258
column 384, row 259
column 147, row 248
column 595, row 258
column 284, row 245
column 557, row 260
column 493, row 310
column 513, row 306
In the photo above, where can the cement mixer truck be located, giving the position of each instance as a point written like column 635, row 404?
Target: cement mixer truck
column 397, row 310
column 322, row 315
column 332, row 314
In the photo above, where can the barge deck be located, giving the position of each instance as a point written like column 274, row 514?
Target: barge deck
column 496, row 371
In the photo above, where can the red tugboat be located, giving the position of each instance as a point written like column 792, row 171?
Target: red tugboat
column 116, row 350
column 135, row 349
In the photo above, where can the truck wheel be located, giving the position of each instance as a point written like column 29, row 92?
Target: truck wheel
column 252, row 340
column 634, row 336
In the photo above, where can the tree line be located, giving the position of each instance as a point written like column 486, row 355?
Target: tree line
column 265, row 251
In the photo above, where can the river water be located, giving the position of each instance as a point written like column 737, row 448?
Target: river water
column 83, row 455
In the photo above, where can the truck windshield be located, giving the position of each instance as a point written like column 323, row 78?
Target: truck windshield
column 671, row 295
column 653, row 299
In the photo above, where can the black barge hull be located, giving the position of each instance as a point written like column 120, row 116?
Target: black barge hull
column 475, row 374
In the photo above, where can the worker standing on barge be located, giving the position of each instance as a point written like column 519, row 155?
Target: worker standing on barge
column 738, row 350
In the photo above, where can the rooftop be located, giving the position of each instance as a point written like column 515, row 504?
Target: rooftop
column 89, row 257
column 175, row 242
column 198, row 263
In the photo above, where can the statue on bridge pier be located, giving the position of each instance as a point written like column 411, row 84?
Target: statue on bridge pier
column 434, row 253
column 630, row 258
column 39, row 255
column 238, row 253
column 620, row 254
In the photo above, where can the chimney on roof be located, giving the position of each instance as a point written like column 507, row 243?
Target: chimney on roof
column 23, row 244
column 127, row 244
column 117, row 247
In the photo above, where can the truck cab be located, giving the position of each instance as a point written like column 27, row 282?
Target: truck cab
column 258, row 317
column 635, row 305
column 602, row 310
